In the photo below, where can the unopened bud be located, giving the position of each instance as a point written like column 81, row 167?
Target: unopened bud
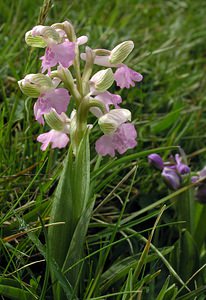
column 59, row 122
column 102, row 80
column 120, row 52
column 35, row 84
column 110, row 122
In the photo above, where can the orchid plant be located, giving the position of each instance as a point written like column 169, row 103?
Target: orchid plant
column 90, row 93
column 62, row 87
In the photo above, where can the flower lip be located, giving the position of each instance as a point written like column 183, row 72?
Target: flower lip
column 57, row 99
column 63, row 54
column 121, row 140
column 57, row 139
column 126, row 77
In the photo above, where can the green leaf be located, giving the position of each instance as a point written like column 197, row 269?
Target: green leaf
column 171, row 293
column 146, row 280
column 71, row 265
column 142, row 260
column 185, row 257
column 200, row 230
column 70, row 200
column 128, row 285
column 59, row 236
column 83, row 208
column 191, row 295
column 54, row 267
column 163, row 289
column 121, row 268
column 166, row 121
column 15, row 293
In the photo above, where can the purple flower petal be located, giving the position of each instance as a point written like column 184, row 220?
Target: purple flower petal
column 202, row 173
column 171, row 178
column 57, row 139
column 156, row 161
column 123, row 139
column 181, row 168
column 63, row 54
column 194, row 179
column 56, row 98
column 126, row 77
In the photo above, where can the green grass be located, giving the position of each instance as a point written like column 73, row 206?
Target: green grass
column 168, row 109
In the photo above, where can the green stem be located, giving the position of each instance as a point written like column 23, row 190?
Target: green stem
column 90, row 55
column 82, row 114
column 77, row 71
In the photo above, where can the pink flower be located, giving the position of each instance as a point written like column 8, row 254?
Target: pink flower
column 55, row 98
column 121, row 140
column 109, row 99
column 63, row 54
column 126, row 77
column 57, row 139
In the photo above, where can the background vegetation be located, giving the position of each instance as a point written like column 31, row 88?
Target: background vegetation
column 168, row 109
